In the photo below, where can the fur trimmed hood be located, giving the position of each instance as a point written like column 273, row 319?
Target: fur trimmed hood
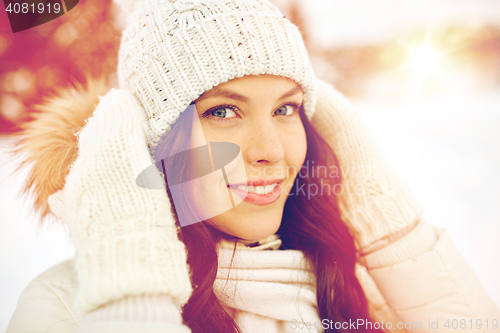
column 49, row 139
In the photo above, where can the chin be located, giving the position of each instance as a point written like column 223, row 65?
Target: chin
column 251, row 228
column 249, row 224
column 258, row 234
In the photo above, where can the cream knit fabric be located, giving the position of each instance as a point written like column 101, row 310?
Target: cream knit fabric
column 125, row 235
column 173, row 51
column 273, row 291
column 264, row 289
column 146, row 307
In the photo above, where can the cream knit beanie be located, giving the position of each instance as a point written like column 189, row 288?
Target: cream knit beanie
column 173, row 51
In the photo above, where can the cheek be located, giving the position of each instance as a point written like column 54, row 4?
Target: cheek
column 295, row 144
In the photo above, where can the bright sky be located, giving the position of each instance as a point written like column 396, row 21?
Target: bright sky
column 360, row 21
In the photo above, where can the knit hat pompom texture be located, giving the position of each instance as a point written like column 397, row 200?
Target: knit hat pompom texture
column 173, row 51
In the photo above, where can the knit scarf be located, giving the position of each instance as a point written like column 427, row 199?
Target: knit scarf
column 265, row 290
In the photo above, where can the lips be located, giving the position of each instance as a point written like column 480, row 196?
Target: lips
column 260, row 182
column 258, row 192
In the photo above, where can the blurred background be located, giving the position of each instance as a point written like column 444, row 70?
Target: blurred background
column 424, row 75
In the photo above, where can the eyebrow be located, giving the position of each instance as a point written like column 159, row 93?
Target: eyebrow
column 234, row 95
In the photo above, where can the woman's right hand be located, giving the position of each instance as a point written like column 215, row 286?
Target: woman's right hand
column 125, row 235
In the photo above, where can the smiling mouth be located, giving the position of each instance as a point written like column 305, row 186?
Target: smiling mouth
column 265, row 189
column 259, row 192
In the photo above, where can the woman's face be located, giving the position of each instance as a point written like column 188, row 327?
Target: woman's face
column 261, row 115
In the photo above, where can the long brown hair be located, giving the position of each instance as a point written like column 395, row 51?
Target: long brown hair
column 311, row 224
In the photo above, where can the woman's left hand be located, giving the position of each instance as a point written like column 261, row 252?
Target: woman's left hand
column 374, row 203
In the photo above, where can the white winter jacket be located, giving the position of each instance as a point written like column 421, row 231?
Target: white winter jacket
column 428, row 286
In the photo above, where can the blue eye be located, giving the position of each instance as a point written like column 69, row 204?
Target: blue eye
column 223, row 112
column 285, row 110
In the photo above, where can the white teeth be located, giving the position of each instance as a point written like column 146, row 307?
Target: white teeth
column 258, row 189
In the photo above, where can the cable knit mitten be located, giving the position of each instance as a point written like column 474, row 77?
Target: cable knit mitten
column 125, row 235
column 373, row 202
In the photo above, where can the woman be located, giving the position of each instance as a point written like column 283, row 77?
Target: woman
column 305, row 228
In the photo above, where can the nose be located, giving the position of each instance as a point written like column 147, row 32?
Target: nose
column 263, row 145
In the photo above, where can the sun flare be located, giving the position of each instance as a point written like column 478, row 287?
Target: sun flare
column 424, row 59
